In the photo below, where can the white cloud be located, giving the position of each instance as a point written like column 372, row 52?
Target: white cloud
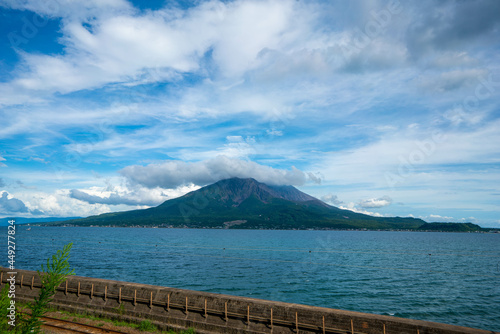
column 135, row 196
column 250, row 27
column 121, row 46
column 456, row 116
column 397, row 158
column 112, row 199
column 115, row 195
column 375, row 202
column 352, row 207
column 171, row 174
column 274, row 132
column 439, row 218
column 59, row 204
column 237, row 147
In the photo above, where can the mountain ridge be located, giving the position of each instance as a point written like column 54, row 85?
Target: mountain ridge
column 253, row 205
column 237, row 190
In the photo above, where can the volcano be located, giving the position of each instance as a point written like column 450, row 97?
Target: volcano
column 247, row 204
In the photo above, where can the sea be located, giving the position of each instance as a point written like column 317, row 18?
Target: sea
column 452, row 278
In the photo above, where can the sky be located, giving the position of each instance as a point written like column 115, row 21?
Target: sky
column 386, row 108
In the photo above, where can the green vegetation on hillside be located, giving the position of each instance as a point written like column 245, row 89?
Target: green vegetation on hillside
column 451, row 227
column 253, row 205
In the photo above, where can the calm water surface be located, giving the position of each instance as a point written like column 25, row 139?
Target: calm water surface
column 446, row 277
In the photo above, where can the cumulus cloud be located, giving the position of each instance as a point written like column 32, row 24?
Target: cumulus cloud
column 375, row 202
column 130, row 196
column 352, row 207
column 126, row 46
column 113, row 199
column 171, row 174
column 59, row 204
column 11, row 205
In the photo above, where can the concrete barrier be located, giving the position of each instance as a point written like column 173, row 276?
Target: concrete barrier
column 170, row 308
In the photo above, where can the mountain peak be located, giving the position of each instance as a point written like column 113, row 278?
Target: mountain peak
column 237, row 190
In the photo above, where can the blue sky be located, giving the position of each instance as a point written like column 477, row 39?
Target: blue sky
column 382, row 107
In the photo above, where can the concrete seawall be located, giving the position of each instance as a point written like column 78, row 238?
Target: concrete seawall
column 171, row 308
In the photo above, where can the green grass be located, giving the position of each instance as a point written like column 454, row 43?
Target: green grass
column 120, row 309
column 4, row 304
column 146, row 325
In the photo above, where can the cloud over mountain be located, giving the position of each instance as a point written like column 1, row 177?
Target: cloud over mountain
column 171, row 174
column 375, row 202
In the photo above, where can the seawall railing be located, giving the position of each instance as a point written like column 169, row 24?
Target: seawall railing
column 170, row 308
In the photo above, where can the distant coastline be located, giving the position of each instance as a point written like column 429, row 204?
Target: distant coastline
column 245, row 203
column 428, row 227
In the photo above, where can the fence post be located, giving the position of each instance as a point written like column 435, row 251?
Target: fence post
column 324, row 329
column 120, row 296
column 168, row 302
column 105, row 293
column 151, row 300
column 135, row 297
column 384, row 328
column 92, row 291
column 205, row 308
column 352, row 327
column 66, row 289
column 248, row 315
column 225, row 311
column 78, row 292
column 186, row 305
